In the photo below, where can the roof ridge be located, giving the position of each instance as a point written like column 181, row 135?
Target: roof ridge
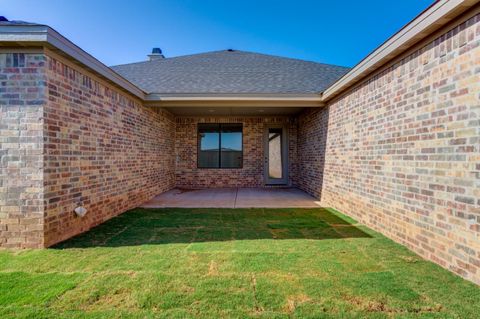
column 229, row 51
column 294, row 59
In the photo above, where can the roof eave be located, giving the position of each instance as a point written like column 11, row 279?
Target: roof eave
column 42, row 35
column 432, row 19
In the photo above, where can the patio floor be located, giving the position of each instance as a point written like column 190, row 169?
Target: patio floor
column 233, row 198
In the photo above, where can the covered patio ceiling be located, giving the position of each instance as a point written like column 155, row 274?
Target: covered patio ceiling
column 234, row 111
column 234, row 104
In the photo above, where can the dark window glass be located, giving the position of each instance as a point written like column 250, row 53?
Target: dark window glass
column 209, row 145
column 231, row 146
column 220, row 146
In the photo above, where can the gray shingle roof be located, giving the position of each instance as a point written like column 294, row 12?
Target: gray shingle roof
column 230, row 72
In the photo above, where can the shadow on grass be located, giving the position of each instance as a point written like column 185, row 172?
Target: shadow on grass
column 182, row 225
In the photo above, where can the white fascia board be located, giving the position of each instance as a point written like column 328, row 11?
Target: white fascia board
column 434, row 17
column 232, row 96
column 23, row 33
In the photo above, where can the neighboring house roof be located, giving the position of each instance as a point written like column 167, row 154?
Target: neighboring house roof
column 230, row 71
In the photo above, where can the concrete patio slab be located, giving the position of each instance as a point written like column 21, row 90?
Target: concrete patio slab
column 274, row 198
column 233, row 198
column 191, row 198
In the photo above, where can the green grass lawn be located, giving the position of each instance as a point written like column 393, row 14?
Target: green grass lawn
column 230, row 263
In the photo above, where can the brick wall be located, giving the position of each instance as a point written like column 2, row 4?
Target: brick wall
column 103, row 150
column 312, row 138
column 22, row 98
column 401, row 153
column 251, row 175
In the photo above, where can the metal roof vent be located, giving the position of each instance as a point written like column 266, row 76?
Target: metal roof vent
column 156, row 54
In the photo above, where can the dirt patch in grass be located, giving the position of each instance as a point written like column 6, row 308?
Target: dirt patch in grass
column 381, row 305
column 294, row 301
column 213, row 268
column 186, row 289
column 120, row 298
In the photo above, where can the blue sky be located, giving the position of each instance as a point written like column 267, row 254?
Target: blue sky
column 116, row 32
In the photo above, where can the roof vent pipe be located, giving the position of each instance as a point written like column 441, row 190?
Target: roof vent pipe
column 156, row 54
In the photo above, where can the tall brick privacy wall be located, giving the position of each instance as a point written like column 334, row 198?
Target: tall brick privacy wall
column 252, row 172
column 103, row 150
column 22, row 98
column 402, row 151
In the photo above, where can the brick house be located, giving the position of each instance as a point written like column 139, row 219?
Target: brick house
column 393, row 142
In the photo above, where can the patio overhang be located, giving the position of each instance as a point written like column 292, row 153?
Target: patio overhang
column 234, row 104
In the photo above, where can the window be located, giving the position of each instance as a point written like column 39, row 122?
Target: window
column 220, row 146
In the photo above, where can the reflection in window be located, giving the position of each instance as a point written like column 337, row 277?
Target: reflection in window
column 220, row 145
column 209, row 137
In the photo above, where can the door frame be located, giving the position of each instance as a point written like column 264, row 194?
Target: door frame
column 285, row 153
